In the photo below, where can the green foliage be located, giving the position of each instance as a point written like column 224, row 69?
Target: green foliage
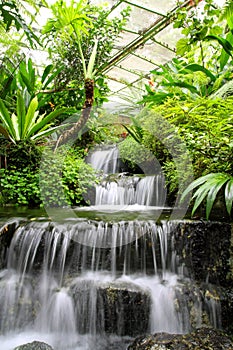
column 196, row 27
column 65, row 178
column 25, row 77
column 209, row 187
column 26, row 124
column 24, row 154
column 205, row 50
column 70, row 54
column 135, row 130
column 12, row 14
column 133, row 153
column 201, row 127
column 19, row 186
column 206, row 126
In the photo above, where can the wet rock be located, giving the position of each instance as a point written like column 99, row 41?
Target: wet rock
column 226, row 299
column 201, row 339
column 121, row 309
column 204, row 249
column 36, row 345
column 6, row 233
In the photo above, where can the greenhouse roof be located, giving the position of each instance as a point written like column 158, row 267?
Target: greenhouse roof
column 148, row 40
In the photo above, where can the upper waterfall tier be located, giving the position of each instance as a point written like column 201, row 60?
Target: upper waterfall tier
column 118, row 188
column 105, row 160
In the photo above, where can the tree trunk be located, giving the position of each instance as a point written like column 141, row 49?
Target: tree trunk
column 86, row 111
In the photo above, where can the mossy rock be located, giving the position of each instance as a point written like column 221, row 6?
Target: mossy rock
column 36, row 345
column 201, row 339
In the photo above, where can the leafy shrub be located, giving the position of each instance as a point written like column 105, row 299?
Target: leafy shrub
column 65, row 178
column 133, row 153
column 204, row 125
column 20, row 187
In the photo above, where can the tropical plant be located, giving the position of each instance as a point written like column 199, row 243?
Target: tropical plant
column 71, row 21
column 65, row 178
column 17, row 13
column 209, row 187
column 19, row 186
column 84, row 48
column 22, row 185
column 202, row 66
column 135, row 130
column 24, row 76
column 26, row 123
column 66, row 50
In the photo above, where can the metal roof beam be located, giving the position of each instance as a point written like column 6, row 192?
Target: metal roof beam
column 144, row 8
column 159, row 25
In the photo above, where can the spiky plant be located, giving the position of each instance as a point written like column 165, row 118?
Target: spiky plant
column 209, row 187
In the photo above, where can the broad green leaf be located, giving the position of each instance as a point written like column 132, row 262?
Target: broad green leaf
column 213, row 191
column 223, row 42
column 47, row 119
column 197, row 67
column 6, row 118
column 6, row 85
column 229, row 195
column 195, row 184
column 48, row 132
column 27, row 82
column 46, row 72
column 30, row 115
column 15, row 123
column 132, row 132
column 20, row 112
column 182, row 46
column 200, row 194
column 51, row 78
column 91, row 63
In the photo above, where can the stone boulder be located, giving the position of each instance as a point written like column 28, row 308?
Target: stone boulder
column 36, row 345
column 201, row 339
column 118, row 308
column 7, row 231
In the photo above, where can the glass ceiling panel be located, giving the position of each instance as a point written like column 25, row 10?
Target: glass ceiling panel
column 122, row 74
column 146, row 42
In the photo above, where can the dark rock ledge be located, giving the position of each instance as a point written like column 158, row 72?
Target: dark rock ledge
column 201, row 339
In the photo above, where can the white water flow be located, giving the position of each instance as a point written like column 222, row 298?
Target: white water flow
column 59, row 289
column 106, row 160
column 122, row 189
column 91, row 285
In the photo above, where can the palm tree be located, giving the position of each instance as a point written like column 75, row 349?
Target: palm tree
column 71, row 22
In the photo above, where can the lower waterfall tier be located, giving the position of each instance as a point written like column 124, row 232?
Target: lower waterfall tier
column 81, row 282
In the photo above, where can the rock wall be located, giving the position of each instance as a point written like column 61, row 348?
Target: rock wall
column 204, row 247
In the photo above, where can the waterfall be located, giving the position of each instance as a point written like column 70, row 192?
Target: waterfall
column 84, row 284
column 123, row 189
column 67, row 280
column 105, row 160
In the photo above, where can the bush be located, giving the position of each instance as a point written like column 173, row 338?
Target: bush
column 133, row 154
column 65, row 178
column 19, row 187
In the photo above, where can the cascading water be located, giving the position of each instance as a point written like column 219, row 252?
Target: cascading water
column 88, row 284
column 61, row 285
column 143, row 190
